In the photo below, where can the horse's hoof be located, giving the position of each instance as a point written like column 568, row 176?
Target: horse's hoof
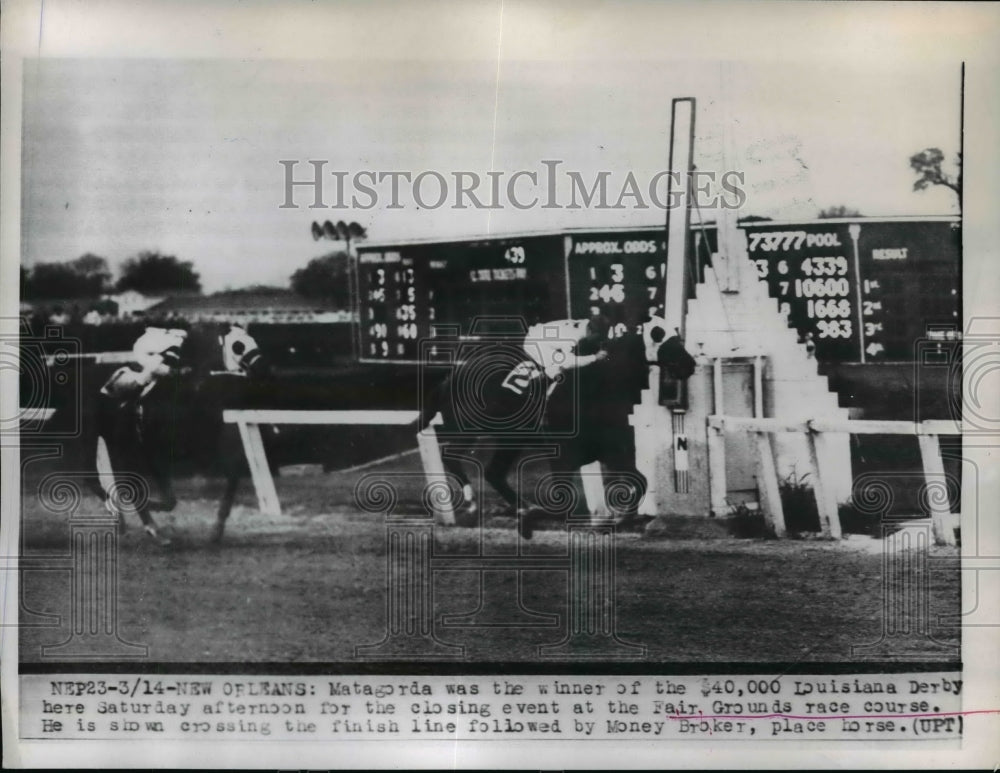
column 158, row 538
column 216, row 538
column 525, row 527
column 467, row 514
column 632, row 523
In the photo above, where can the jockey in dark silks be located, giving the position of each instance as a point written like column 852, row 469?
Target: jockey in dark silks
column 128, row 460
column 565, row 344
column 502, row 392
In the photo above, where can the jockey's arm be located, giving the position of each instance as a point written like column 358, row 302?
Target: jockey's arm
column 572, row 361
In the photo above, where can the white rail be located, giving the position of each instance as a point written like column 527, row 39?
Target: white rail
column 35, row 414
column 816, row 431
column 319, row 417
column 248, row 422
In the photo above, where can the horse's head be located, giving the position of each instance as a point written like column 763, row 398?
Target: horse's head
column 240, row 353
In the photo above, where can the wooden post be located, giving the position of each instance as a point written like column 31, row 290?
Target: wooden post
column 758, row 387
column 826, row 502
column 717, row 407
column 430, row 456
column 260, row 472
column 717, row 470
column 678, row 215
column 767, row 479
column 930, row 455
column 592, row 477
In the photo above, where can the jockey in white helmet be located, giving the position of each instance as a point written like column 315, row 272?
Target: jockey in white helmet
column 154, row 354
column 120, row 416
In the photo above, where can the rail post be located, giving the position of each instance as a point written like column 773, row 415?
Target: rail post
column 767, row 480
column 826, row 502
column 260, row 471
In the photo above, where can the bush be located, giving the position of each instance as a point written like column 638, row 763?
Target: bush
column 748, row 524
column 798, row 500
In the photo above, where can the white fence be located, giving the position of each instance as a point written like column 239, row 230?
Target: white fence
column 248, row 422
column 817, row 432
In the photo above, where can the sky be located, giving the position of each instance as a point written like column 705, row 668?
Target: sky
column 181, row 155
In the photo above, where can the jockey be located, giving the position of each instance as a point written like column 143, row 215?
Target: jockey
column 154, row 354
column 560, row 345
column 119, row 416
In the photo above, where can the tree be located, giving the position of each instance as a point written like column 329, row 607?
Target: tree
column 251, row 290
column 927, row 164
column 151, row 273
column 86, row 277
column 94, row 271
column 327, row 278
column 838, row 211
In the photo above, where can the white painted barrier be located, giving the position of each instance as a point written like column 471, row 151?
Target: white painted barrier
column 35, row 414
column 817, row 431
column 248, row 422
column 99, row 358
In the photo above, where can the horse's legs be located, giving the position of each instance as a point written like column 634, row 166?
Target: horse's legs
column 164, row 483
column 123, row 451
column 225, row 506
column 562, row 468
column 234, row 467
column 497, row 469
column 453, row 466
column 619, row 458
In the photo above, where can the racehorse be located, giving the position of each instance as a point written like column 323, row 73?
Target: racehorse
column 119, row 433
column 149, row 413
column 584, row 412
column 229, row 374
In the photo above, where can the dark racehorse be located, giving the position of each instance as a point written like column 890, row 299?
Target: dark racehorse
column 588, row 413
column 230, row 373
column 585, row 414
column 221, row 367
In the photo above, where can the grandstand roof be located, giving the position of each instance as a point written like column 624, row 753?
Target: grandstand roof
column 275, row 300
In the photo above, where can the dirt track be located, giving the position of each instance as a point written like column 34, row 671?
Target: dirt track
column 311, row 585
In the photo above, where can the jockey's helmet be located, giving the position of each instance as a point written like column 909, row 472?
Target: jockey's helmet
column 158, row 349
